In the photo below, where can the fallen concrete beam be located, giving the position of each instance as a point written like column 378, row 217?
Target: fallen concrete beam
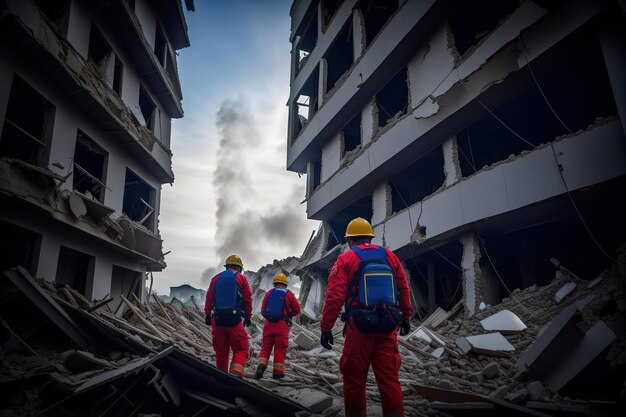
column 22, row 279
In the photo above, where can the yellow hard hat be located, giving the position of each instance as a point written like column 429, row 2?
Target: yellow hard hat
column 234, row 260
column 359, row 227
column 280, row 279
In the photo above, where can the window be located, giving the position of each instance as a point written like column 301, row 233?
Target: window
column 376, row 13
column 148, row 109
column 160, row 46
column 100, row 52
column 329, row 8
column 338, row 222
column 306, row 104
column 393, row 98
column 27, row 124
column 22, row 248
column 316, row 174
column 306, row 42
column 124, row 282
column 75, row 269
column 57, row 11
column 117, row 76
column 340, row 56
column 351, row 135
column 89, row 168
column 139, row 200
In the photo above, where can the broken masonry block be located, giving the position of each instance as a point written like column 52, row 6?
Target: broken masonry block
column 304, row 341
column 517, row 396
column 464, row 345
column 490, row 371
column 535, row 389
column 493, row 344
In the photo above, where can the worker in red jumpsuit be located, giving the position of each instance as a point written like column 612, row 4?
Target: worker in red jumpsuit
column 228, row 332
column 362, row 349
column 279, row 306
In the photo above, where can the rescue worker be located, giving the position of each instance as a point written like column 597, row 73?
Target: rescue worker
column 279, row 306
column 228, row 300
column 362, row 349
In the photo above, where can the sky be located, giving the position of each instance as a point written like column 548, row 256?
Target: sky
column 232, row 193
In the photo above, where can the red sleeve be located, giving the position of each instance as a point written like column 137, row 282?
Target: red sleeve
column 292, row 304
column 402, row 282
column 246, row 294
column 335, row 293
column 264, row 305
column 210, row 296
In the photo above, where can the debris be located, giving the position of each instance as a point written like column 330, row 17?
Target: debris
column 313, row 400
column 535, row 389
column 504, row 322
column 594, row 282
column 491, row 371
column 564, row 291
column 517, row 396
column 304, row 341
column 437, row 352
column 490, row 344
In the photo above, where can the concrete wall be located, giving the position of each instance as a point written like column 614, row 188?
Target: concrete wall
column 331, row 157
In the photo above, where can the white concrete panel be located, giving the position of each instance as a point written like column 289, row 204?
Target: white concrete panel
column 79, row 28
column 429, row 66
column 484, row 195
column 331, row 156
column 532, row 178
column 593, row 156
column 451, row 167
column 367, row 122
column 358, row 33
column 398, row 230
column 442, row 212
column 63, row 144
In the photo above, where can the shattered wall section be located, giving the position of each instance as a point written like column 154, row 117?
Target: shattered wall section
column 471, row 272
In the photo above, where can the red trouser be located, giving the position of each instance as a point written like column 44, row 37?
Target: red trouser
column 225, row 339
column 381, row 351
column 275, row 335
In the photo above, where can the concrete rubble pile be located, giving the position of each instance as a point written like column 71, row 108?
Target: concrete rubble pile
column 65, row 355
column 536, row 353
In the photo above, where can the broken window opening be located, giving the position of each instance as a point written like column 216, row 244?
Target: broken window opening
column 315, row 167
column 471, row 22
column 57, row 11
column 18, row 247
column 393, row 98
column 160, row 46
column 148, row 109
column 340, row 56
column 139, row 200
column 101, row 53
column 339, row 222
column 521, row 256
column 118, row 73
column 351, row 135
column 306, row 103
column 580, row 79
column 75, row 269
column 436, row 277
column 89, row 168
column 124, row 282
column 418, row 180
column 376, row 13
column 329, row 8
column 306, row 42
column 27, row 125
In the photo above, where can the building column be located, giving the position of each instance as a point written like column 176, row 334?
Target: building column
column 321, row 86
column 381, row 203
column 451, row 165
column 358, row 34
column 471, row 272
column 369, row 122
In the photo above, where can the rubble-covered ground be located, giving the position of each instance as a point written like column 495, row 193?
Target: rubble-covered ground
column 151, row 344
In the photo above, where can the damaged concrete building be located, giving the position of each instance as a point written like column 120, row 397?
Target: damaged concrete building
column 481, row 139
column 87, row 94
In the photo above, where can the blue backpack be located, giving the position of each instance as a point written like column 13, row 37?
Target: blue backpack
column 228, row 300
column 374, row 288
column 275, row 305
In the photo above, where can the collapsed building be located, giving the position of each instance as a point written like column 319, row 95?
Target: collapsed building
column 87, row 94
column 481, row 140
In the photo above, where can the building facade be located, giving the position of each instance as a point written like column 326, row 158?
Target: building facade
column 87, row 94
column 481, row 139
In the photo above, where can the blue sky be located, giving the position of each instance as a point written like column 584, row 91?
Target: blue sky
column 232, row 193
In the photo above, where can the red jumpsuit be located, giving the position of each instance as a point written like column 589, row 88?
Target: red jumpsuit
column 276, row 335
column 234, row 338
column 360, row 349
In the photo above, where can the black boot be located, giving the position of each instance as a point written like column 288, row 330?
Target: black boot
column 278, row 376
column 260, row 370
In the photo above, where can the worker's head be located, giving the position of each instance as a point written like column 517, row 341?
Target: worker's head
column 234, row 262
column 280, row 279
column 359, row 231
